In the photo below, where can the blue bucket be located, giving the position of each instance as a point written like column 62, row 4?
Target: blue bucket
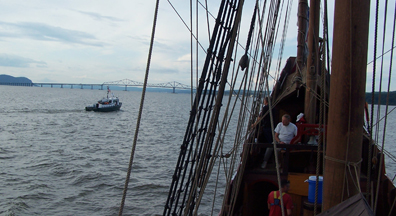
column 311, row 189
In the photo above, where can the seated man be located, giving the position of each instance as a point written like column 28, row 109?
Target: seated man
column 285, row 130
column 284, row 133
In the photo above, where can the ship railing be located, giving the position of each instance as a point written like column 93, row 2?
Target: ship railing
column 286, row 149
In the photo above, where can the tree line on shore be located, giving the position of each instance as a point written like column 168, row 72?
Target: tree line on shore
column 384, row 95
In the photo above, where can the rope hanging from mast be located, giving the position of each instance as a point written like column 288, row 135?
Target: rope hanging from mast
column 140, row 111
column 322, row 112
column 370, row 152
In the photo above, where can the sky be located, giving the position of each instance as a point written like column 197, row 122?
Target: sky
column 96, row 41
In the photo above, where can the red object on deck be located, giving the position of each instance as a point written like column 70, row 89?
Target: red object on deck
column 306, row 129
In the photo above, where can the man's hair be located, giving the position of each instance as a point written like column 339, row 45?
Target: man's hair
column 284, row 182
column 265, row 100
column 286, row 116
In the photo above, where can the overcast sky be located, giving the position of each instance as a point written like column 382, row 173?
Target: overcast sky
column 96, row 41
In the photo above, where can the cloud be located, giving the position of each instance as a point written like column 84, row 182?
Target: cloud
column 185, row 58
column 80, row 77
column 44, row 32
column 47, row 80
column 17, row 61
column 99, row 17
column 156, row 69
column 164, row 70
column 42, row 66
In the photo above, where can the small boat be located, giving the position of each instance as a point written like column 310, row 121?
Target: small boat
column 106, row 104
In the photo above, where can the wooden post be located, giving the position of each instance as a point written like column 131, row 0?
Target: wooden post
column 312, row 62
column 347, row 98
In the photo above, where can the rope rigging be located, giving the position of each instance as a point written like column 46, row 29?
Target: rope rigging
column 322, row 112
column 370, row 152
column 324, row 105
column 140, row 111
column 242, row 114
column 267, row 44
column 185, row 24
column 191, row 168
column 387, row 99
column 236, row 144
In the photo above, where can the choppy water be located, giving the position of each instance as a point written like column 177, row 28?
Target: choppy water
column 57, row 159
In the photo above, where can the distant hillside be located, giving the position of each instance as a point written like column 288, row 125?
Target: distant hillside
column 392, row 98
column 10, row 79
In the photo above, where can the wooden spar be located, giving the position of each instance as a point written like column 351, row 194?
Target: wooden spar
column 302, row 25
column 347, row 98
column 312, row 62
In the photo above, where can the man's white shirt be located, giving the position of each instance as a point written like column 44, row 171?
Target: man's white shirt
column 286, row 133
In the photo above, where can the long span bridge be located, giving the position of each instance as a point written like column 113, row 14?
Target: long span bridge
column 125, row 83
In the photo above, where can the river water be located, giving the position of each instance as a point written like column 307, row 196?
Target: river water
column 58, row 159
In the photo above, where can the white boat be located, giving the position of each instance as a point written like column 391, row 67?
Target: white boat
column 106, row 104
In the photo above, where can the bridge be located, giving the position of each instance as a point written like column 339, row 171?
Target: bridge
column 125, row 82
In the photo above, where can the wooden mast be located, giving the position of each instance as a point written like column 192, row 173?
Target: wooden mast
column 302, row 26
column 347, row 98
column 312, row 61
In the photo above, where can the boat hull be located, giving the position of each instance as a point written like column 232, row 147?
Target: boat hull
column 109, row 108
